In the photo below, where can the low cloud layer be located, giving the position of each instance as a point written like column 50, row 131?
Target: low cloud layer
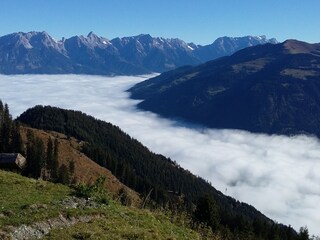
column 276, row 174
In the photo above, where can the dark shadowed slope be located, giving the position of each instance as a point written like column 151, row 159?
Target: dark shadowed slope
column 267, row 88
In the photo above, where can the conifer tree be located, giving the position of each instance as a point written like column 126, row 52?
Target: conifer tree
column 5, row 129
column 1, row 121
column 207, row 212
column 16, row 142
column 55, row 164
column 63, row 174
column 1, row 112
column 36, row 157
column 303, row 234
column 50, row 160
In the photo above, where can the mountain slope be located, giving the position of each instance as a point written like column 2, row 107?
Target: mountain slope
column 37, row 52
column 155, row 54
column 267, row 88
column 86, row 171
column 149, row 173
column 32, row 52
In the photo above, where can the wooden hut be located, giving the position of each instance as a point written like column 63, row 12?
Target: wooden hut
column 12, row 161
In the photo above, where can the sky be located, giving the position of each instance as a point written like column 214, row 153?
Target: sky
column 278, row 175
column 198, row 21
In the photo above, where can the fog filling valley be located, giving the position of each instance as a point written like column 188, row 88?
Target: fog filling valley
column 276, row 174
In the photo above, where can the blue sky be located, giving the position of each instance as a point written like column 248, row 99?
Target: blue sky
column 198, row 21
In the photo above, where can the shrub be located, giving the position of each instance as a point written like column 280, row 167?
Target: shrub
column 95, row 191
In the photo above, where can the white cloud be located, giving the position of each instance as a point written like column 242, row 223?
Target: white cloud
column 278, row 175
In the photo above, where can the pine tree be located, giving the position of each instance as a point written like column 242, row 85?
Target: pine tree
column 41, row 155
column 303, row 234
column 36, row 157
column 16, row 142
column 1, row 112
column 55, row 163
column 6, row 129
column 63, row 174
column 1, row 121
column 50, row 160
column 207, row 212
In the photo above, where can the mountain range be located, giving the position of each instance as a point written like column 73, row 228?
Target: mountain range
column 39, row 53
column 271, row 88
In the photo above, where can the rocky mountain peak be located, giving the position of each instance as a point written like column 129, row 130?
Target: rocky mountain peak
column 93, row 54
column 92, row 35
column 43, row 40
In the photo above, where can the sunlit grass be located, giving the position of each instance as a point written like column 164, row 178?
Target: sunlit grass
column 25, row 201
column 126, row 223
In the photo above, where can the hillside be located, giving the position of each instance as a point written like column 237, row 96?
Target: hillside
column 31, row 209
column 266, row 88
column 86, row 171
column 152, row 174
column 39, row 53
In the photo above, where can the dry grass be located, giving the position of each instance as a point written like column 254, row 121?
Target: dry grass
column 86, row 170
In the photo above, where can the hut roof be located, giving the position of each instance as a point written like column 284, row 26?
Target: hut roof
column 7, row 159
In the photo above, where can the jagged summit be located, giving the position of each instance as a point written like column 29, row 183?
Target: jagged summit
column 91, row 34
column 38, row 52
column 225, row 46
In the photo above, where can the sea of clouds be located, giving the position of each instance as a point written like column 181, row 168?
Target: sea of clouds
column 278, row 175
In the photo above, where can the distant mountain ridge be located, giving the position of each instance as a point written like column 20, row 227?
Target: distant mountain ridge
column 271, row 88
column 225, row 46
column 39, row 53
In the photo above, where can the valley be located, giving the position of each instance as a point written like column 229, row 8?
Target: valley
column 260, row 169
column 159, row 120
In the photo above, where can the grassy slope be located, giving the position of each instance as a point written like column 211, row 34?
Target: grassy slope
column 126, row 223
column 18, row 194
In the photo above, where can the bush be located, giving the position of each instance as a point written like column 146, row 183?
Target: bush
column 95, row 191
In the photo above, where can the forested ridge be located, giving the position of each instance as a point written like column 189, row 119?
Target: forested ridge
column 42, row 159
column 10, row 138
column 154, row 174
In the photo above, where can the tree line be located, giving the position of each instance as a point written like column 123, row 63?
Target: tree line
column 42, row 159
column 10, row 138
